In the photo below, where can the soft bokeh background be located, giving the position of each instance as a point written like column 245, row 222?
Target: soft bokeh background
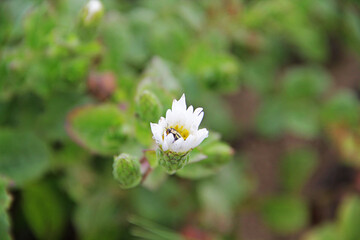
column 278, row 81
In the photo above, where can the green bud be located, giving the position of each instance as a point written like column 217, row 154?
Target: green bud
column 126, row 171
column 148, row 106
column 219, row 72
column 218, row 154
column 172, row 161
column 224, row 76
column 90, row 19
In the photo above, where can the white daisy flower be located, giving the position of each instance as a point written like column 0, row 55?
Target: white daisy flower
column 179, row 132
column 92, row 7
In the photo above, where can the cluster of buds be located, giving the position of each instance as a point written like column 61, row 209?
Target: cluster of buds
column 176, row 136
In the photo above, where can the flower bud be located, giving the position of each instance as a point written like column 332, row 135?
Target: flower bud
column 90, row 18
column 126, row 171
column 148, row 106
column 92, row 13
column 218, row 154
column 172, row 161
column 101, row 85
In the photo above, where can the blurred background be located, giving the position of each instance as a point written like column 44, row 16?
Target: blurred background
column 279, row 84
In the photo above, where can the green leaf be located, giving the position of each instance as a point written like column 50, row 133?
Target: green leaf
column 349, row 218
column 342, row 108
column 296, row 167
column 44, row 210
column 220, row 120
column 305, row 83
column 222, row 193
column 5, row 200
column 69, row 154
column 206, row 163
column 158, row 72
column 216, row 70
column 347, row 140
column 285, row 214
column 4, row 225
column 98, row 217
column 172, row 35
column 150, row 230
column 36, row 28
column 324, row 232
column 155, row 179
column 51, row 121
column 116, row 31
column 196, row 170
column 151, row 158
column 295, row 29
column 215, row 204
column 259, row 73
column 157, row 79
column 302, row 119
column 167, row 207
column 23, row 157
column 270, row 118
column 303, row 88
column 98, row 128
column 352, row 26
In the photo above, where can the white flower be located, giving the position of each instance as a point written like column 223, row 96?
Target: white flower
column 179, row 132
column 93, row 6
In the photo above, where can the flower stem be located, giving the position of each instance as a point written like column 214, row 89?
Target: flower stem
column 145, row 168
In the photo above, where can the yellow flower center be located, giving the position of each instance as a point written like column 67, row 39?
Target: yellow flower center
column 177, row 132
column 183, row 132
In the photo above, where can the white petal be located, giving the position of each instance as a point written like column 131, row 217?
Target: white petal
column 198, row 120
column 174, row 106
column 156, row 129
column 198, row 111
column 153, row 127
column 200, row 136
column 162, row 122
column 190, row 109
column 177, row 145
column 165, row 146
column 170, row 117
column 188, row 118
column 169, row 139
column 182, row 103
column 189, row 143
column 179, row 106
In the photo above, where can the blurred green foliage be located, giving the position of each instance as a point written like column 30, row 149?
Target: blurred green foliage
column 74, row 93
column 5, row 201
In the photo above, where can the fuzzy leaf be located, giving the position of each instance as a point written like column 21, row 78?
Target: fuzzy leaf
column 349, row 218
column 296, row 167
column 98, row 128
column 204, row 164
column 44, row 211
column 5, row 200
column 23, row 157
column 324, row 232
column 150, row 230
column 97, row 217
column 285, row 214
